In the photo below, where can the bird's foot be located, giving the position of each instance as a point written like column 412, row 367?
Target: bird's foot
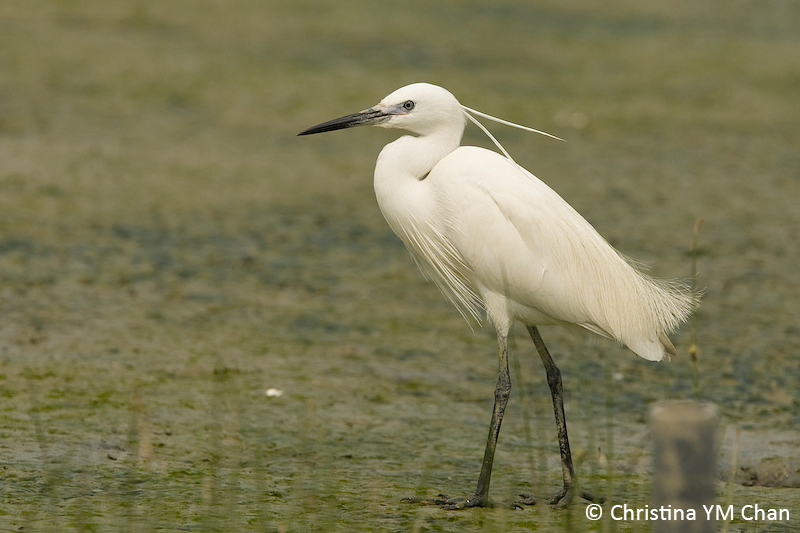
column 452, row 504
column 563, row 497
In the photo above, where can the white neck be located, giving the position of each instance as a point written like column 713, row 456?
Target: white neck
column 403, row 195
column 414, row 157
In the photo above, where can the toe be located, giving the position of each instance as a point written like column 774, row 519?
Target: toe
column 562, row 498
column 586, row 495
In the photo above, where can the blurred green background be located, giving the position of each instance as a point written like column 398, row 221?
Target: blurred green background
column 169, row 250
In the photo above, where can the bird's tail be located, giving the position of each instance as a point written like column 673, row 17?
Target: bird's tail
column 669, row 348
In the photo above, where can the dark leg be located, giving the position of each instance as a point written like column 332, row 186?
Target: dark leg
column 564, row 496
column 501, row 393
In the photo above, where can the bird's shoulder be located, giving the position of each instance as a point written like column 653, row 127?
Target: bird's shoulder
column 474, row 162
column 472, row 174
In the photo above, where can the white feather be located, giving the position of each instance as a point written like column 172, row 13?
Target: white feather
column 490, row 234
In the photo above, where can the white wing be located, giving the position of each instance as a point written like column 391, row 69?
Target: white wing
column 524, row 243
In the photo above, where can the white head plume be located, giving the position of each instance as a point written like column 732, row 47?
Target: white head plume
column 469, row 112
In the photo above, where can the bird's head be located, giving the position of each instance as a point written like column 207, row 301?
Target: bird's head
column 420, row 108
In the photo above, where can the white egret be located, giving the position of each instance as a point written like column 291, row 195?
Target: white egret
column 494, row 237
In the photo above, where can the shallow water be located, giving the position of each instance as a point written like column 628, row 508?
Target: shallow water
column 169, row 250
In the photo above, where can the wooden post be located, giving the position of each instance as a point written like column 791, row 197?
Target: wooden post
column 684, row 434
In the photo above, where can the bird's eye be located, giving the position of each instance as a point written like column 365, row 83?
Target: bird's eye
column 408, row 105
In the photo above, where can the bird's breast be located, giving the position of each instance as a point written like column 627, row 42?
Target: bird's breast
column 419, row 213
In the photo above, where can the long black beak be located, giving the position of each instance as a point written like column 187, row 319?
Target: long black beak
column 373, row 115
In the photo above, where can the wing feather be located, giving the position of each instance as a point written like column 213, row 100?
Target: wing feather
column 519, row 238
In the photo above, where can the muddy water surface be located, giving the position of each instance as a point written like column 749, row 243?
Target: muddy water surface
column 169, row 251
